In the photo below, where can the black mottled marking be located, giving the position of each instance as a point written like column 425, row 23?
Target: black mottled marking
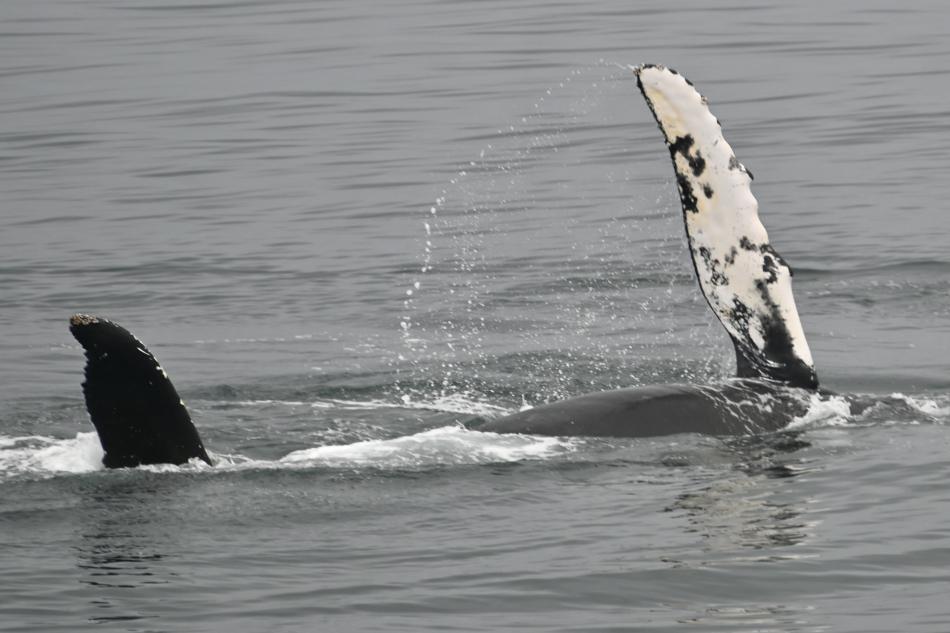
column 698, row 164
column 731, row 256
column 707, row 191
column 770, row 267
column 779, row 353
column 777, row 361
column 746, row 244
column 735, row 164
column 687, row 197
column 741, row 314
column 714, row 266
column 767, row 248
column 683, row 146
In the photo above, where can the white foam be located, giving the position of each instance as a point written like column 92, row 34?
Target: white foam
column 193, row 464
column 928, row 406
column 833, row 411
column 446, row 445
column 48, row 455
column 450, row 445
column 457, row 403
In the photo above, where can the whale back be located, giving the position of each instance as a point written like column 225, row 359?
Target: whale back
column 745, row 281
column 138, row 415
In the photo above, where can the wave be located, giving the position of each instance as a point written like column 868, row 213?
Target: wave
column 823, row 412
column 43, row 457
column 869, row 410
column 452, row 445
column 50, row 455
column 36, row 456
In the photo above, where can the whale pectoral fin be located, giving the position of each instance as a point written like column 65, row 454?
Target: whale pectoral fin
column 137, row 413
column 745, row 281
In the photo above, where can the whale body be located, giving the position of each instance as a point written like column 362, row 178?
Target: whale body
column 738, row 407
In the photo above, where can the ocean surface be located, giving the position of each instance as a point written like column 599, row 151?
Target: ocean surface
column 348, row 228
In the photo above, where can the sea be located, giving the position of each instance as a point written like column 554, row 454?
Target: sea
column 350, row 230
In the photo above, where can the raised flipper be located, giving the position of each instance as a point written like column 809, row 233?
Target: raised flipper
column 746, row 283
column 137, row 413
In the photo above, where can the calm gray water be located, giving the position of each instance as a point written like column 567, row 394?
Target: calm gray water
column 345, row 227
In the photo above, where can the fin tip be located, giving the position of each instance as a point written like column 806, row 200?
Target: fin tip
column 80, row 320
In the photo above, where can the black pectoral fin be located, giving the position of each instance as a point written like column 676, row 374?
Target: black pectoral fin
column 138, row 415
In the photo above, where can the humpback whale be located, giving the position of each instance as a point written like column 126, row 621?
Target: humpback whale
column 140, row 418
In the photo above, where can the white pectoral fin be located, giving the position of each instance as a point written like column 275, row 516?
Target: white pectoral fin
column 746, row 283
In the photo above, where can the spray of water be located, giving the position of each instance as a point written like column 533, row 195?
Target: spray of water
column 551, row 267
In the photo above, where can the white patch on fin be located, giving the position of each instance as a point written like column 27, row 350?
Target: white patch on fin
column 746, row 283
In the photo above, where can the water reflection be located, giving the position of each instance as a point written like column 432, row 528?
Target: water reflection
column 735, row 514
column 771, row 455
column 117, row 559
column 754, row 514
column 749, row 509
column 761, row 618
column 121, row 548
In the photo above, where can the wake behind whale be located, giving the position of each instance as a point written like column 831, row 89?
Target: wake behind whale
column 140, row 418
